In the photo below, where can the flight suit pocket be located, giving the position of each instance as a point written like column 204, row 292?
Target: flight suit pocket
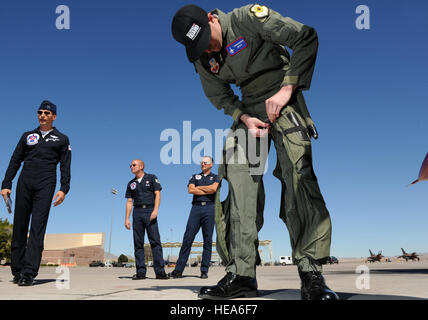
column 293, row 127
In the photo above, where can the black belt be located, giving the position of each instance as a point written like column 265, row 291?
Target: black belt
column 144, row 206
column 204, row 203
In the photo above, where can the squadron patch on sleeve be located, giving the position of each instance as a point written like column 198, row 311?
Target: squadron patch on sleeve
column 259, row 11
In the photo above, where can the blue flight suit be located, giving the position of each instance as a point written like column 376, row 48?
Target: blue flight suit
column 34, row 193
column 143, row 195
column 201, row 215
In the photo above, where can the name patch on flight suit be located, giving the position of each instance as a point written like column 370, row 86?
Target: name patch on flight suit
column 33, row 139
column 236, row 46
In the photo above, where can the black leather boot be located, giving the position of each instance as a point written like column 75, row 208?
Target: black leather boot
column 162, row 276
column 26, row 280
column 231, row 286
column 314, row 287
column 16, row 278
column 139, row 276
column 175, row 274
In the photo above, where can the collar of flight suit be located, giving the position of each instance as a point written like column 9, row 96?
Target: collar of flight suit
column 224, row 23
column 53, row 130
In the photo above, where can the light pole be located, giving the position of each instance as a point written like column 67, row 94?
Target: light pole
column 169, row 257
column 114, row 192
column 170, row 249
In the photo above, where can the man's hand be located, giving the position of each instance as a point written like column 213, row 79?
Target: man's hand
column 127, row 224
column 255, row 126
column 275, row 103
column 59, row 198
column 5, row 193
column 154, row 215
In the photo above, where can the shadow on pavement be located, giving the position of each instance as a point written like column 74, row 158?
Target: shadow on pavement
column 194, row 289
column 356, row 296
column 43, row 281
column 383, row 271
column 154, row 278
column 400, row 271
column 293, row 294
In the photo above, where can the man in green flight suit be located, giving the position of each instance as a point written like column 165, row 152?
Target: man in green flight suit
column 246, row 47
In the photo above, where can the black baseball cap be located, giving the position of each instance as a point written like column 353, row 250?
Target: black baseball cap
column 47, row 105
column 191, row 28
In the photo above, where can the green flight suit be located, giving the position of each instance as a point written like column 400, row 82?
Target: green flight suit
column 260, row 68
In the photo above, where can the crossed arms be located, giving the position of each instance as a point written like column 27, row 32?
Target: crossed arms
column 203, row 190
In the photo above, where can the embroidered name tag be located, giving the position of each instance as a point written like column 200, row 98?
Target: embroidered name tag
column 236, row 46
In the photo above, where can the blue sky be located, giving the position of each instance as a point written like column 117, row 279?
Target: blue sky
column 119, row 79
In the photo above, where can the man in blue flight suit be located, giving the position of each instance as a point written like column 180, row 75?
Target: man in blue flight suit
column 144, row 194
column 40, row 149
column 203, row 186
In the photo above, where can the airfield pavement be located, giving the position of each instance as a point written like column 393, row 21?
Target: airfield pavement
column 384, row 281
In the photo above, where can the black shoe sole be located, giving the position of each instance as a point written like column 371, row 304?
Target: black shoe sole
column 245, row 294
column 26, row 284
column 308, row 297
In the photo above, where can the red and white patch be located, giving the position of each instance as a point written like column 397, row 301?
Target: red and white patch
column 33, row 139
column 133, row 186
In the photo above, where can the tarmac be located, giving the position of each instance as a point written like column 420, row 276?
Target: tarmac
column 352, row 280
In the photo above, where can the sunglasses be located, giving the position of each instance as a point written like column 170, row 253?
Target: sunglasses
column 133, row 165
column 46, row 113
column 205, row 162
